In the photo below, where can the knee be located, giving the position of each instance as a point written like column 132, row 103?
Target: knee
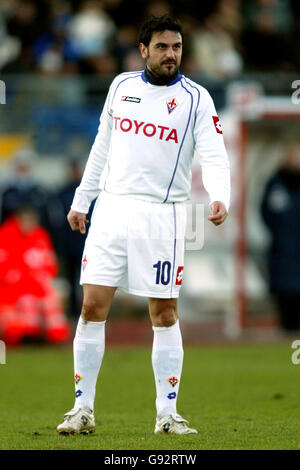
column 92, row 310
column 166, row 317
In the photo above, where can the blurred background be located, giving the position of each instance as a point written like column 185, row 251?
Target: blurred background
column 57, row 59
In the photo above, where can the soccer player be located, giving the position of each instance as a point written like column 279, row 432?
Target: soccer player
column 140, row 163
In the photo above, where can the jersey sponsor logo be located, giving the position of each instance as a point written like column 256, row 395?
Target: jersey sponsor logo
column 84, row 262
column 217, row 124
column 148, row 129
column 131, row 99
column 171, row 104
column 179, row 275
column 173, row 380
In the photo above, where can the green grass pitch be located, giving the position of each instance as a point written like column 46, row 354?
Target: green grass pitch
column 238, row 397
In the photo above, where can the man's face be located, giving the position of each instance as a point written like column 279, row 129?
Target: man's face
column 163, row 54
column 28, row 221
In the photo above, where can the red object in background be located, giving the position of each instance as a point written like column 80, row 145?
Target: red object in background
column 30, row 305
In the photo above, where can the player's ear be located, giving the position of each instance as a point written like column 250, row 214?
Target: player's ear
column 143, row 50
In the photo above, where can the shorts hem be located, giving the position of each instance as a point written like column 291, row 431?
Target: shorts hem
column 157, row 295
column 99, row 282
column 141, row 293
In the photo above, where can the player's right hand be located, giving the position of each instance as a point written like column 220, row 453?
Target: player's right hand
column 77, row 221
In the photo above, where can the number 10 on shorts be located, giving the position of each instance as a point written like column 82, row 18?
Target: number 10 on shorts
column 163, row 273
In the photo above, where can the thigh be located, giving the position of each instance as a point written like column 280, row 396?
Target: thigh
column 96, row 302
column 104, row 260
column 156, row 250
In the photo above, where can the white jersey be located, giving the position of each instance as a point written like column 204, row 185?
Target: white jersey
column 146, row 142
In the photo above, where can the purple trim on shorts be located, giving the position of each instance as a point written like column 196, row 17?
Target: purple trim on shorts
column 174, row 250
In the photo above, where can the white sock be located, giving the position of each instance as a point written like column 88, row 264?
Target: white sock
column 88, row 349
column 167, row 359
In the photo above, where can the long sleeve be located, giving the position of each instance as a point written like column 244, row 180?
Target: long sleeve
column 209, row 145
column 88, row 189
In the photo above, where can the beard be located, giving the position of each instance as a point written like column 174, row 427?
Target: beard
column 163, row 70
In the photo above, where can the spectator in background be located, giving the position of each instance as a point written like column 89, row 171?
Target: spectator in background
column 279, row 12
column 129, row 59
column 68, row 36
column 214, row 51
column 91, row 31
column 280, row 211
column 10, row 46
column 22, row 188
column 267, row 35
column 230, row 16
column 295, row 9
column 27, row 21
column 157, row 8
column 70, row 244
column 53, row 50
column 30, row 305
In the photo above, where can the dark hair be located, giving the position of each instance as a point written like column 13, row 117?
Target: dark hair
column 25, row 207
column 158, row 23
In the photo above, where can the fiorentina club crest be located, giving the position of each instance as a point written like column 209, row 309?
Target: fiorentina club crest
column 171, row 104
column 179, row 276
column 77, row 378
column 84, row 262
column 173, row 381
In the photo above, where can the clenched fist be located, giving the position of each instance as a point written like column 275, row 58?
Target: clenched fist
column 218, row 213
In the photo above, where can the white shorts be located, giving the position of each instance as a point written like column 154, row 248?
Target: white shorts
column 135, row 245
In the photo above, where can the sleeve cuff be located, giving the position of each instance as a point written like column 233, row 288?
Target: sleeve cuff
column 82, row 201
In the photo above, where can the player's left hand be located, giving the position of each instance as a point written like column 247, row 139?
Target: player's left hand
column 218, row 213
